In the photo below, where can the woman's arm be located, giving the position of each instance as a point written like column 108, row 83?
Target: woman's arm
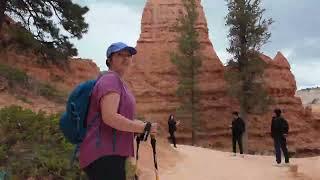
column 110, row 116
column 109, row 107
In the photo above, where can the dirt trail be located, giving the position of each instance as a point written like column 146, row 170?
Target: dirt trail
column 205, row 164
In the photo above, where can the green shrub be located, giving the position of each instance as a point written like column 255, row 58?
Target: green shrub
column 14, row 76
column 17, row 78
column 51, row 93
column 33, row 146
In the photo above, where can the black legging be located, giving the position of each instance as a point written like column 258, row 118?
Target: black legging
column 235, row 139
column 173, row 138
column 107, row 167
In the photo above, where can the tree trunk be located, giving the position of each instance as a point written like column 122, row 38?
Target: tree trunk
column 194, row 123
column 244, row 116
column 3, row 4
column 194, row 137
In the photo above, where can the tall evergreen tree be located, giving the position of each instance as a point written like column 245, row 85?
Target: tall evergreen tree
column 248, row 32
column 188, row 62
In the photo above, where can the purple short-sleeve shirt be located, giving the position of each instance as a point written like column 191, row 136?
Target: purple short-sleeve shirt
column 90, row 150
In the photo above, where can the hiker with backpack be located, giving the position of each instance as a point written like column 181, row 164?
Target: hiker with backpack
column 172, row 127
column 100, row 119
column 238, row 128
column 279, row 132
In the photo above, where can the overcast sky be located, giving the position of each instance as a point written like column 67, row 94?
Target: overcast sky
column 295, row 32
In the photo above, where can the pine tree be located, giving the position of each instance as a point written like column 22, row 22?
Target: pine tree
column 248, row 32
column 188, row 62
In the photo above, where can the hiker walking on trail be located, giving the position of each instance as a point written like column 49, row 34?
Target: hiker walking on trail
column 238, row 128
column 172, row 126
column 279, row 132
column 109, row 140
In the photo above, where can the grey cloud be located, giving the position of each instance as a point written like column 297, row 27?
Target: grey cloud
column 296, row 29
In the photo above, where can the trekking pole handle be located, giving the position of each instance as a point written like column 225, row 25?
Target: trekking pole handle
column 146, row 132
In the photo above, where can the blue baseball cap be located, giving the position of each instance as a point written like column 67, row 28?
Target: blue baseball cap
column 119, row 46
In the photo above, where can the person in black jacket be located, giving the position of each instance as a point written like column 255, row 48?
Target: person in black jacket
column 238, row 128
column 172, row 125
column 279, row 132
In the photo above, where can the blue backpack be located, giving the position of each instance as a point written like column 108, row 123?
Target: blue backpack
column 73, row 121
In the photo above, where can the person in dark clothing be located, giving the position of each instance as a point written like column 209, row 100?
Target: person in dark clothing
column 172, row 125
column 238, row 128
column 279, row 132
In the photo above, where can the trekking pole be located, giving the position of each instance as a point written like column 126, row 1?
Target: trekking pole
column 141, row 137
column 136, row 177
column 153, row 144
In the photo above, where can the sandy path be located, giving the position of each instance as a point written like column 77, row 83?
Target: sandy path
column 204, row 164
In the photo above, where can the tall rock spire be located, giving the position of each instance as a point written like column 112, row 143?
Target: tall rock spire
column 154, row 79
